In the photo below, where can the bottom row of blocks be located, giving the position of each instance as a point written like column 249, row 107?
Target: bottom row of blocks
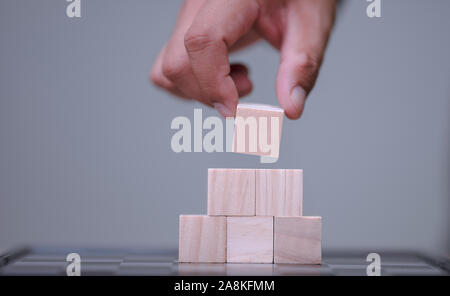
column 256, row 239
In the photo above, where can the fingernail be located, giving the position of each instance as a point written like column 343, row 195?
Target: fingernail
column 224, row 111
column 298, row 96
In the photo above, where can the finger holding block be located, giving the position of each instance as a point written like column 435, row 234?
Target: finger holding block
column 257, row 129
column 250, row 239
column 298, row 240
column 231, row 192
column 202, row 239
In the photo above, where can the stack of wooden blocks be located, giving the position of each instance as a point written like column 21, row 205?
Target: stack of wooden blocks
column 254, row 216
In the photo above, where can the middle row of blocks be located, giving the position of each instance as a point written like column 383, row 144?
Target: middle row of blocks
column 250, row 192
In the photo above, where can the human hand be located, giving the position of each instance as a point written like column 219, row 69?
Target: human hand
column 194, row 63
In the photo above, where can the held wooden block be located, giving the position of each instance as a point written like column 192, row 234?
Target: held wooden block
column 202, row 239
column 257, row 129
column 279, row 192
column 250, row 239
column 231, row 192
column 298, row 240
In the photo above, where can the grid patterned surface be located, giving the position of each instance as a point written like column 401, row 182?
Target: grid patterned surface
column 148, row 263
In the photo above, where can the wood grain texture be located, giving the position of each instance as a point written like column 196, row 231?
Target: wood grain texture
column 202, row 239
column 298, row 240
column 250, row 239
column 270, row 192
column 279, row 192
column 262, row 118
column 231, row 192
column 293, row 204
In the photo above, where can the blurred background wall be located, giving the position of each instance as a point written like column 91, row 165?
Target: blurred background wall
column 85, row 156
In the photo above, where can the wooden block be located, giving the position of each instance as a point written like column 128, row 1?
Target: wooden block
column 298, row 240
column 231, row 192
column 270, row 192
column 257, row 129
column 202, row 239
column 293, row 205
column 250, row 239
column 201, row 269
column 249, row 269
column 279, row 192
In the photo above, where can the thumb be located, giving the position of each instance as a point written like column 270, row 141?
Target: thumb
column 305, row 38
column 296, row 77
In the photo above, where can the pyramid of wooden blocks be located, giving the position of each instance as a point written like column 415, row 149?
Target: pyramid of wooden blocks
column 254, row 216
column 257, row 129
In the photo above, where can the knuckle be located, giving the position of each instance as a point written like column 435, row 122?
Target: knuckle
column 308, row 63
column 156, row 77
column 195, row 42
column 174, row 68
column 307, row 69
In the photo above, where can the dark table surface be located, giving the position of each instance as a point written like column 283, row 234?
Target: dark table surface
column 148, row 262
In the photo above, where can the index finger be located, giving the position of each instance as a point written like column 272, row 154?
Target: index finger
column 218, row 25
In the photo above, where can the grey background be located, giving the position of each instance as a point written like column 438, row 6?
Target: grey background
column 85, row 156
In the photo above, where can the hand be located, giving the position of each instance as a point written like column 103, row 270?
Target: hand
column 194, row 63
